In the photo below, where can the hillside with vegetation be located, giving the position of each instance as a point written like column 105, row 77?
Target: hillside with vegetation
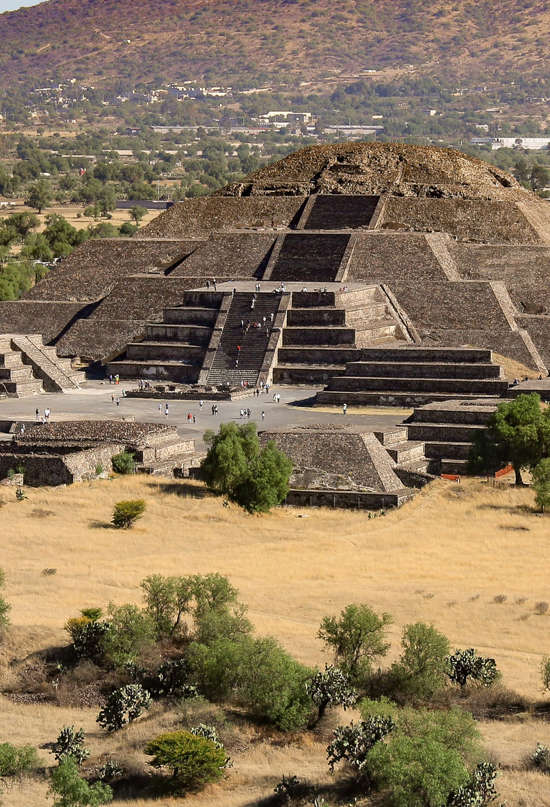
column 245, row 41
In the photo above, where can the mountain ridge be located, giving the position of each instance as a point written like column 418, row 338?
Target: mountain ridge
column 105, row 41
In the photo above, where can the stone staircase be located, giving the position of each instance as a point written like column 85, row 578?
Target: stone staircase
column 407, row 454
column 164, row 453
column 338, row 211
column 309, row 258
column 413, row 376
column 56, row 374
column 174, row 349
column 253, row 341
column 28, row 367
column 447, row 430
column 325, row 330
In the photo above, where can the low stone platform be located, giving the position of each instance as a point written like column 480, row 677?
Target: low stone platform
column 539, row 385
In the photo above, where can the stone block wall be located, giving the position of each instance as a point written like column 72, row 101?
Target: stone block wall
column 32, row 316
column 235, row 256
column 383, row 257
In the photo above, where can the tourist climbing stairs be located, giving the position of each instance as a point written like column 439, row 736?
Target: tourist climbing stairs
column 326, row 329
column 245, row 339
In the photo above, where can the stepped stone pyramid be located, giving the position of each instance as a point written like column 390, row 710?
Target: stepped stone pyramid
column 318, row 259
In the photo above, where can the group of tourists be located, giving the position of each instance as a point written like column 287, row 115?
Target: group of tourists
column 114, row 379
column 42, row 418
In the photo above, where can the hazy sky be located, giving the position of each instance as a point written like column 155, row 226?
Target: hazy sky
column 11, row 5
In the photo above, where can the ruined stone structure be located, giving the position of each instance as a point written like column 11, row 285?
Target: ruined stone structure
column 355, row 246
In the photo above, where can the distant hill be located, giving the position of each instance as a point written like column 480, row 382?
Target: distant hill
column 246, row 41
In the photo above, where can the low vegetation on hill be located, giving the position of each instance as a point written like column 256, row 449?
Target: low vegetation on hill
column 150, row 647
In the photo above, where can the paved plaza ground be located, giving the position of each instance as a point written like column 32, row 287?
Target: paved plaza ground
column 94, row 401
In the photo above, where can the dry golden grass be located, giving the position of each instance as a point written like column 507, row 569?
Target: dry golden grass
column 71, row 213
column 514, row 369
column 442, row 558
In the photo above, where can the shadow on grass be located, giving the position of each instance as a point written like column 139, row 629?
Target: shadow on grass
column 101, row 525
column 184, row 489
column 514, row 510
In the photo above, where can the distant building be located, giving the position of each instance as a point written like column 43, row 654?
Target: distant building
column 529, row 143
column 353, row 130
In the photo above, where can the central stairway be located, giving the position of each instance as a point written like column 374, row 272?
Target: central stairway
column 413, row 376
column 245, row 338
column 327, row 329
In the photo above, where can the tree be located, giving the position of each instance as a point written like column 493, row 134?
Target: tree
column 332, row 687
column 541, row 483
column 137, row 213
column 466, row 664
column 422, row 667
column 255, row 478
column 357, row 638
column 39, row 195
column 123, row 706
column 17, row 760
column 193, row 760
column 69, row 789
column 4, row 606
column 23, row 222
column 125, row 514
column 518, row 432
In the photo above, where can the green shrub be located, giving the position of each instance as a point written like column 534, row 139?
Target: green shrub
column 352, row 744
column 479, row 791
column 356, row 638
column 87, row 636
column 4, row 606
column 69, row 789
column 422, row 668
column 70, row 743
column 466, row 664
column 193, row 761
column 123, row 706
column 130, row 631
column 259, row 675
column 16, row 760
column 545, row 672
column 127, row 513
column 123, row 463
column 541, row 483
column 540, row 758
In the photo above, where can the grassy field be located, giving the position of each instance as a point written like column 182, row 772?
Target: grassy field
column 443, row 558
column 72, row 213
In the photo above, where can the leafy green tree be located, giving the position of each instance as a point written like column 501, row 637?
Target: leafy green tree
column 37, row 247
column 332, row 687
column 464, row 665
column 357, row 638
column 192, row 760
column 541, row 483
column 4, row 606
column 352, row 744
column 69, row 789
column 123, row 706
column 137, row 213
column 40, row 195
column 518, row 432
column 125, row 514
column 255, row 478
column 23, row 222
column 423, row 666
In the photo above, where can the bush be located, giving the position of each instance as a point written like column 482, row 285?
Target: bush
column 259, row 675
column 541, row 483
column 70, row 743
column 193, row 761
column 4, row 606
column 123, row 706
column 16, row 760
column 357, row 639
column 87, row 636
column 69, row 789
column 540, row 758
column 479, row 791
column 465, row 664
column 256, row 478
column 130, row 631
column 123, row 463
column 331, row 688
column 422, row 668
column 425, row 759
column 171, row 680
column 127, row 513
